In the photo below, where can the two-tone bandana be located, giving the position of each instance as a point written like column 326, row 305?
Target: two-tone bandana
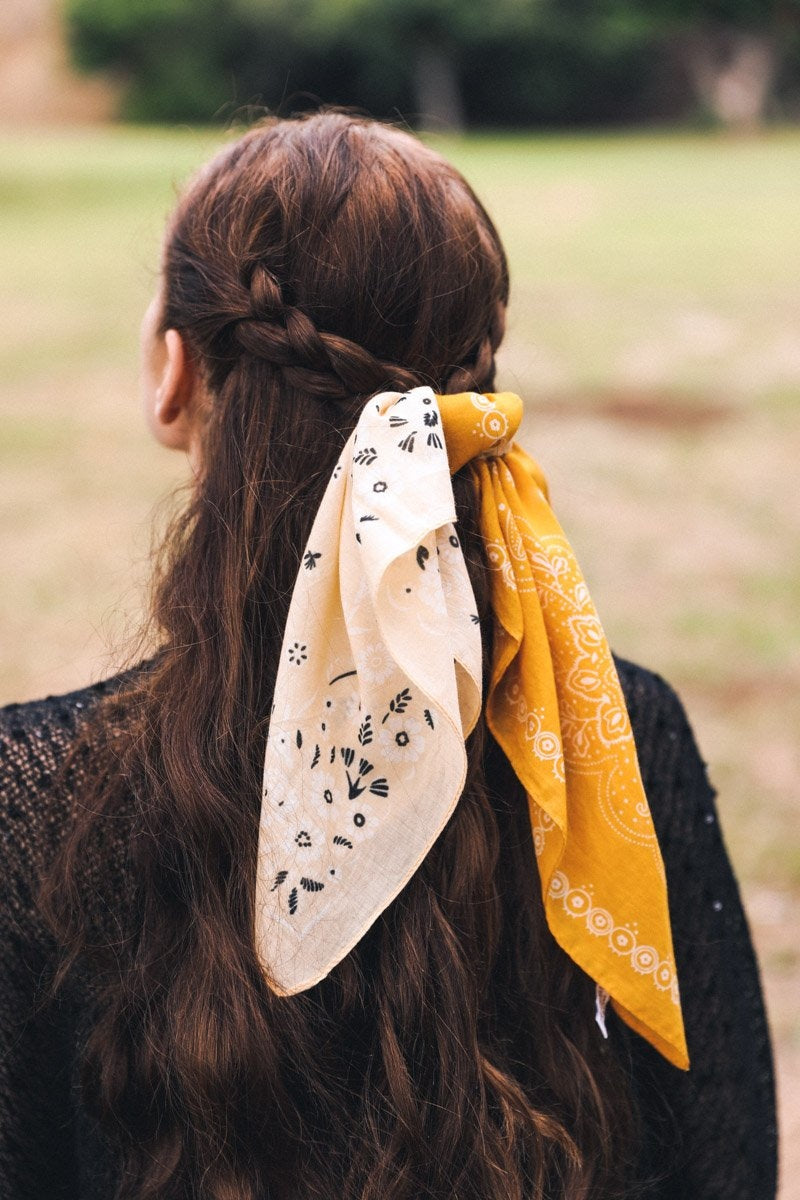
column 379, row 684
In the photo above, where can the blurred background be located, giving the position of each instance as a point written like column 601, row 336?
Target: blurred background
column 642, row 161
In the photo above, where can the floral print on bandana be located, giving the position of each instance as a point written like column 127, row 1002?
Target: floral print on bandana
column 379, row 684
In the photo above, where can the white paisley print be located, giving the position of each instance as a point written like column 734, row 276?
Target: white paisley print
column 556, row 707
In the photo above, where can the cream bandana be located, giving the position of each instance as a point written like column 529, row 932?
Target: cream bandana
column 379, row 684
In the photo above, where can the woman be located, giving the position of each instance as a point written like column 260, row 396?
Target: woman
column 168, row 1031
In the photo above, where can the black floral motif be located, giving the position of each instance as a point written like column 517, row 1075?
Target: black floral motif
column 310, row 885
column 431, row 418
column 423, row 554
column 315, row 759
column 303, row 838
column 310, row 559
column 380, row 486
column 395, row 422
column 369, row 517
column 293, row 901
column 365, row 731
column 327, row 796
column 408, row 441
column 342, row 841
column 366, row 457
column 402, row 738
column 359, row 819
column 357, row 786
column 474, row 618
column 399, row 704
column 428, row 715
column 435, row 440
column 426, row 400
column 279, row 879
column 297, row 653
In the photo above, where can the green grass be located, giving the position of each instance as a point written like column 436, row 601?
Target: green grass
column 79, row 237
column 683, row 246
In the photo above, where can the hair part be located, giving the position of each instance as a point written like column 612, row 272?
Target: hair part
column 310, row 264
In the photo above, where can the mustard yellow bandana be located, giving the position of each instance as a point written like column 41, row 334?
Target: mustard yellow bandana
column 379, row 684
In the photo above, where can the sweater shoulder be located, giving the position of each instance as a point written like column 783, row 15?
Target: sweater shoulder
column 35, row 738
column 674, row 773
column 647, row 692
column 661, row 728
column 36, row 733
column 37, row 786
column 62, row 710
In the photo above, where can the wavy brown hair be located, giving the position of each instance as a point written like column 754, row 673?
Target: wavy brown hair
column 453, row 1053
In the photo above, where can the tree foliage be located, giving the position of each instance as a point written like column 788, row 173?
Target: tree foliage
column 511, row 62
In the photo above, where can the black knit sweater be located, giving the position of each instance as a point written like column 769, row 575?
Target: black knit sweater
column 710, row 1132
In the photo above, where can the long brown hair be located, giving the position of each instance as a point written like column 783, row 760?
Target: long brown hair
column 453, row 1053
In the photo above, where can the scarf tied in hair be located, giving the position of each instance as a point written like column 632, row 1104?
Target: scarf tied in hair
column 379, row 684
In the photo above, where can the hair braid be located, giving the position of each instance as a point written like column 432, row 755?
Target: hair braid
column 328, row 365
column 318, row 363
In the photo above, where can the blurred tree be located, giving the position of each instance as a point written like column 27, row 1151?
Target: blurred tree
column 432, row 39
column 201, row 60
column 512, row 62
column 732, row 50
column 442, row 63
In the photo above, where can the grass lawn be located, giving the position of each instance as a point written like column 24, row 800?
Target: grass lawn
column 655, row 334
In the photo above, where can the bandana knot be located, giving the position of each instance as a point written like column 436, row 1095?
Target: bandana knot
column 478, row 426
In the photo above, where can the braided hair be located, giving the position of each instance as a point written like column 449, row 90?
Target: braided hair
column 325, row 364
column 293, row 277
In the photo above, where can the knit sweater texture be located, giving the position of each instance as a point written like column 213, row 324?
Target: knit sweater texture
column 710, row 1133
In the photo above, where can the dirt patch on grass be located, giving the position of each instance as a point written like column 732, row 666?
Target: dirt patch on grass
column 643, row 408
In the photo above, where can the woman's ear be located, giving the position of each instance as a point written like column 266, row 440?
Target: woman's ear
column 173, row 407
column 169, row 383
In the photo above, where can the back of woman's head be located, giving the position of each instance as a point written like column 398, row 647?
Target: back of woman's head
column 310, row 264
column 343, row 253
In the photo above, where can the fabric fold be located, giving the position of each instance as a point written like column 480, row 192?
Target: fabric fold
column 556, row 708
column 378, row 686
